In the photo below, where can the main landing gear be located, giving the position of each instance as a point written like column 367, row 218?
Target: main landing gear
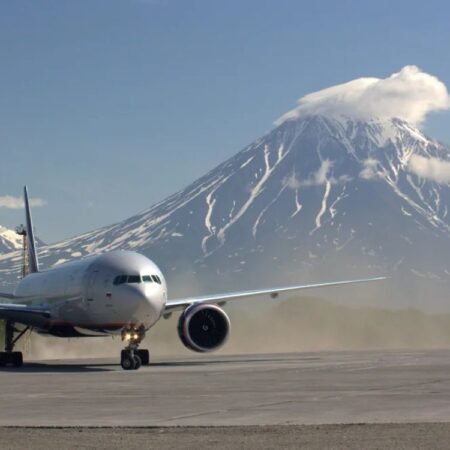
column 9, row 357
column 131, row 357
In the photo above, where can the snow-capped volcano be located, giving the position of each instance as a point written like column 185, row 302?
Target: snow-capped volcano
column 320, row 193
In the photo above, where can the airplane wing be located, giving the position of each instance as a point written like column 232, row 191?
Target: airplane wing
column 180, row 304
column 34, row 316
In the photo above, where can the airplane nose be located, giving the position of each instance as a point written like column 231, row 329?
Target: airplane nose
column 137, row 295
column 144, row 303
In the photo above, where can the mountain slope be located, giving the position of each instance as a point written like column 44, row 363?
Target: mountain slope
column 315, row 195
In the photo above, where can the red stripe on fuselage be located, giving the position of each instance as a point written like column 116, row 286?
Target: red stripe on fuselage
column 90, row 325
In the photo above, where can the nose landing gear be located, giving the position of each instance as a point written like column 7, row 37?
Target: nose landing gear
column 131, row 358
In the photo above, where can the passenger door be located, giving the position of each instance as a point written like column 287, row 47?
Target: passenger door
column 99, row 299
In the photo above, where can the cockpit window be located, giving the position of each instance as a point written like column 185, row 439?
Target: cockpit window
column 134, row 279
column 120, row 279
column 156, row 279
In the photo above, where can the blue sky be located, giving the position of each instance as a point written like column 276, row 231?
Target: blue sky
column 107, row 106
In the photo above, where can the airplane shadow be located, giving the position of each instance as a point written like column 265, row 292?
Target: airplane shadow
column 200, row 363
column 59, row 368
column 93, row 366
column 209, row 362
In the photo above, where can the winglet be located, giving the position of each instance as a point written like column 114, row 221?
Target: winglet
column 33, row 262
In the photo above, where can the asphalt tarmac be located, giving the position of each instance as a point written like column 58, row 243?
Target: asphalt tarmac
column 282, row 389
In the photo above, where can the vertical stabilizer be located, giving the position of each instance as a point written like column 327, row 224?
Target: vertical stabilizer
column 33, row 264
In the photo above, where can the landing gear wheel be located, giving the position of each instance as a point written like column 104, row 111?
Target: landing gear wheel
column 137, row 362
column 17, row 359
column 144, row 355
column 131, row 357
column 127, row 361
column 14, row 359
column 11, row 336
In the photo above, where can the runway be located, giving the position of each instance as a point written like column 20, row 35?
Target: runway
column 281, row 389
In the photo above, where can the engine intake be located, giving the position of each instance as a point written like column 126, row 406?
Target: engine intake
column 203, row 328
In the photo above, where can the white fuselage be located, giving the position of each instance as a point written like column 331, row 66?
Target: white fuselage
column 98, row 294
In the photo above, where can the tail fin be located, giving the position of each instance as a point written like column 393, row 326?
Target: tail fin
column 33, row 263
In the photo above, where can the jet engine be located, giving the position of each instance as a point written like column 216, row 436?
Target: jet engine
column 203, row 327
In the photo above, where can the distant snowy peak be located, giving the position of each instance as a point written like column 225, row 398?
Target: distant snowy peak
column 9, row 240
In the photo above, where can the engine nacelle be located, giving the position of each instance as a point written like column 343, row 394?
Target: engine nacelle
column 203, row 328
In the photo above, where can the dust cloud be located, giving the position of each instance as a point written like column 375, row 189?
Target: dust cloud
column 370, row 316
column 312, row 324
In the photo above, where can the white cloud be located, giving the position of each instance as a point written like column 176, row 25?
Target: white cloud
column 316, row 179
column 369, row 171
column 409, row 95
column 434, row 169
column 10, row 202
column 292, row 182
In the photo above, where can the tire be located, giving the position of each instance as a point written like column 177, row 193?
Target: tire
column 17, row 359
column 14, row 359
column 137, row 362
column 144, row 355
column 127, row 361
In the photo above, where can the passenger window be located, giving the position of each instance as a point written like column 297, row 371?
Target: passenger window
column 147, row 279
column 134, row 278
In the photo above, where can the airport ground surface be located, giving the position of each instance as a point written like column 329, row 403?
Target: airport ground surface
column 313, row 437
column 404, row 396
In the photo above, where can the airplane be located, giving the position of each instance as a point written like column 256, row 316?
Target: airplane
column 115, row 293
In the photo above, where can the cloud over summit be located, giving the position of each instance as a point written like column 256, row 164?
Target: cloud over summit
column 409, row 95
